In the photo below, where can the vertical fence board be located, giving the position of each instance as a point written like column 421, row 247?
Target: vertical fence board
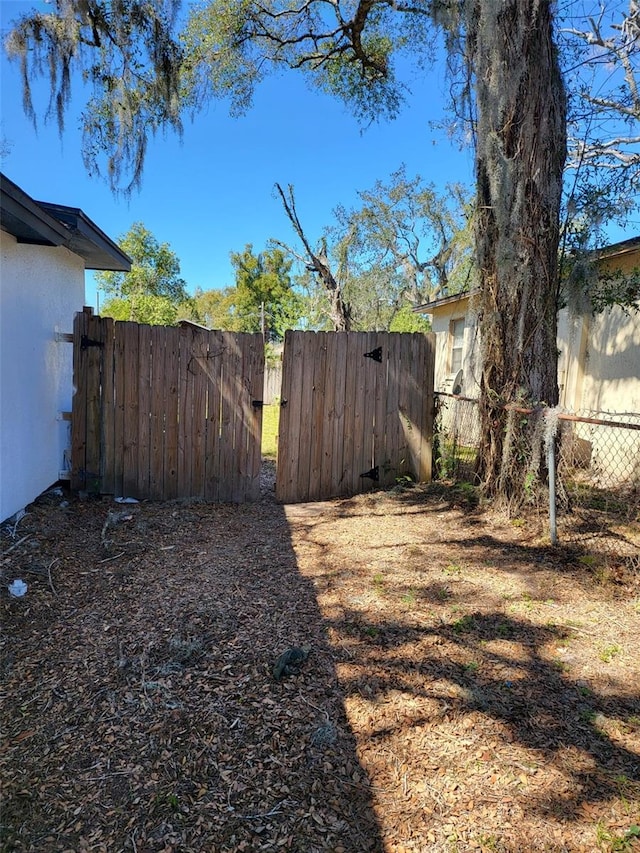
column 116, row 410
column 108, row 402
column 239, row 467
column 171, row 381
column 289, row 428
column 306, row 415
column 156, row 415
column 360, row 367
column 93, row 367
column 79, row 405
column 198, row 381
column 380, row 453
column 130, row 405
column 213, row 369
column 255, row 372
column 318, row 416
column 372, row 373
column 391, row 419
column 330, row 391
column 339, row 405
column 185, row 414
column 231, row 361
column 144, row 411
column 349, row 425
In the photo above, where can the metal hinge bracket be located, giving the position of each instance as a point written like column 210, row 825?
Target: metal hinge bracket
column 375, row 354
column 373, row 474
column 86, row 342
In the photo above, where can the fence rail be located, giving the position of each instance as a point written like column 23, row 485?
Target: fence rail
column 597, row 469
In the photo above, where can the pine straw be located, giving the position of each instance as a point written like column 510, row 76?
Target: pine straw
column 469, row 689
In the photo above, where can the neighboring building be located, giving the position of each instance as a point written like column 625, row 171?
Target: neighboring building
column 599, row 360
column 598, row 367
column 45, row 249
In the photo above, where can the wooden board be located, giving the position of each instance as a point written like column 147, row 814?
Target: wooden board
column 162, row 413
column 348, row 417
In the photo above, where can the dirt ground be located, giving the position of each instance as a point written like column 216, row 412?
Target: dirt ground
column 468, row 688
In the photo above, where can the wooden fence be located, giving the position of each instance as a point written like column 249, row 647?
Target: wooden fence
column 357, row 411
column 162, row 412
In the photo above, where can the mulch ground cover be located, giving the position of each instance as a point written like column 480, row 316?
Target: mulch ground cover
column 468, row 687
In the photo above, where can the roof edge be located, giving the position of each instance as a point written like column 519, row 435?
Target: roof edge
column 42, row 223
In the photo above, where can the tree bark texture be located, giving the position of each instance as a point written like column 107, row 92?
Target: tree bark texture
column 521, row 150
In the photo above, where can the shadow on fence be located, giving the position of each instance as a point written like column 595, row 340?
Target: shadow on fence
column 597, row 470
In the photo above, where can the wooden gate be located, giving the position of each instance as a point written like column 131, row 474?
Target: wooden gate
column 162, row 412
column 356, row 410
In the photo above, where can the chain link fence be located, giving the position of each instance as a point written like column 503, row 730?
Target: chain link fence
column 597, row 466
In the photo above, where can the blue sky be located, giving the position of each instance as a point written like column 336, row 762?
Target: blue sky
column 213, row 192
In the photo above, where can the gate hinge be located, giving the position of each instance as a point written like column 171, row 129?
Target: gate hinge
column 257, row 404
column 373, row 474
column 86, row 342
column 375, row 354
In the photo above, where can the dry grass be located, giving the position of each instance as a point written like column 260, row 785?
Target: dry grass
column 469, row 688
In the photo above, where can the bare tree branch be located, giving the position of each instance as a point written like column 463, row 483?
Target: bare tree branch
column 318, row 262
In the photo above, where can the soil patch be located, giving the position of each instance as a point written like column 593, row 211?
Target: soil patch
column 468, row 688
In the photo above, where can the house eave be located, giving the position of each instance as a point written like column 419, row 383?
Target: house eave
column 45, row 224
column 429, row 307
column 624, row 247
column 88, row 240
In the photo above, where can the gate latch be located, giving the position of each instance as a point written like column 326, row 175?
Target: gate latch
column 86, row 342
column 375, row 354
column 373, row 474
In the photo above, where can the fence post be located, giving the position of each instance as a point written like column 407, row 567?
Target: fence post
column 553, row 530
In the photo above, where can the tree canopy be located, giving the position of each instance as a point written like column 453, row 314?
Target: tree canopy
column 263, row 298
column 153, row 291
column 403, row 245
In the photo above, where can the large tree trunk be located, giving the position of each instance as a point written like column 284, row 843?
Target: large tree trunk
column 521, row 149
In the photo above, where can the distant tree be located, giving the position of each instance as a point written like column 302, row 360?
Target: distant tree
column 402, row 246
column 214, row 309
column 262, row 300
column 152, row 292
column 406, row 320
column 422, row 238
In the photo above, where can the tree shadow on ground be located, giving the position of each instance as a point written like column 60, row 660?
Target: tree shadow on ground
column 141, row 712
column 567, row 723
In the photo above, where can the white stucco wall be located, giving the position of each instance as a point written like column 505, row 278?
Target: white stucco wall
column 41, row 288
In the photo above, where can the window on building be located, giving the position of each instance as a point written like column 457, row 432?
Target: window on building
column 457, row 339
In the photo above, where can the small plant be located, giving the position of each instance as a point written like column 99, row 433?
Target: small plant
column 453, row 569
column 471, row 667
column 588, row 715
column 378, row 583
column 617, row 843
column 463, row 624
column 529, row 483
column 442, row 593
column 608, row 653
column 409, row 597
column 518, row 522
